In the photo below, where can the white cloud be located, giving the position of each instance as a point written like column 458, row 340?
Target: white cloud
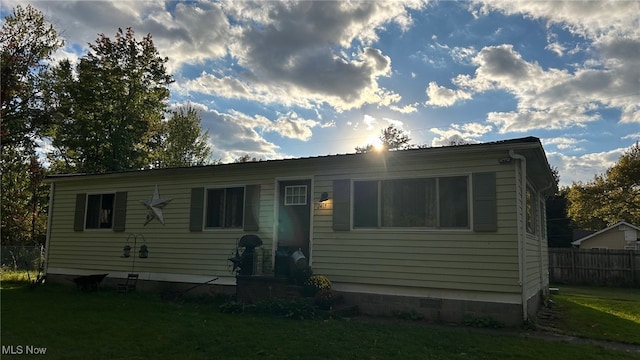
column 580, row 167
column 586, row 18
column 634, row 136
column 291, row 126
column 407, row 109
column 458, row 134
column 552, row 98
column 612, row 27
column 369, row 121
column 463, row 55
column 441, row 96
column 235, row 134
column 398, row 124
column 563, row 143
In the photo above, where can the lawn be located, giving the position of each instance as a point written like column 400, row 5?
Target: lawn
column 71, row 324
column 611, row 314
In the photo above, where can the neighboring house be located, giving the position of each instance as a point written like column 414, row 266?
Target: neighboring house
column 447, row 231
column 621, row 236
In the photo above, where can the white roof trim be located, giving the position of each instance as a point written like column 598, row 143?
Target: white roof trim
column 577, row 242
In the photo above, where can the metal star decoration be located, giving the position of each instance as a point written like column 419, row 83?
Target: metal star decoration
column 236, row 261
column 155, row 205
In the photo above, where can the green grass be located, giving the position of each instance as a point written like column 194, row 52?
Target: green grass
column 105, row 325
column 611, row 314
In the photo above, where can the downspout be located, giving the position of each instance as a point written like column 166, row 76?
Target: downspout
column 52, row 189
column 544, row 287
column 522, row 236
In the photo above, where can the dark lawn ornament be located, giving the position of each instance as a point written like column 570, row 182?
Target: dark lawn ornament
column 144, row 252
column 242, row 262
column 126, row 251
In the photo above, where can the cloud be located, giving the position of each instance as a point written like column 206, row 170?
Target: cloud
column 586, row 18
column 634, row 136
column 563, row 143
column 440, row 96
column 551, row 98
column 298, row 48
column 190, row 33
column 580, row 167
column 458, row 134
column 235, row 134
column 550, row 119
column 406, row 109
column 369, row 121
column 463, row 55
column 291, row 126
column 614, row 32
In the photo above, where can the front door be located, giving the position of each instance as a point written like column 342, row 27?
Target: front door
column 294, row 216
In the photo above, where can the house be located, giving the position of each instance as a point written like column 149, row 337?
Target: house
column 621, row 236
column 448, row 231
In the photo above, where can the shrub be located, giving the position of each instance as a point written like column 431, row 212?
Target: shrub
column 231, row 307
column 294, row 309
column 326, row 298
column 482, row 322
column 408, row 315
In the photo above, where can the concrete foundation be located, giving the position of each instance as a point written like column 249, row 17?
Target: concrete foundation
column 434, row 309
column 180, row 288
column 251, row 289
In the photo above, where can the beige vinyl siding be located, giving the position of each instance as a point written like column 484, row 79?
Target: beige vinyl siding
column 536, row 253
column 172, row 247
column 444, row 259
column 610, row 239
column 532, row 281
column 402, row 258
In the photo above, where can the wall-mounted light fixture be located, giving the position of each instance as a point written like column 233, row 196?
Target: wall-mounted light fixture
column 324, row 196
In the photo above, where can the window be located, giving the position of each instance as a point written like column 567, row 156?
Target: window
column 99, row 213
column 531, row 211
column 295, row 195
column 431, row 203
column 224, row 208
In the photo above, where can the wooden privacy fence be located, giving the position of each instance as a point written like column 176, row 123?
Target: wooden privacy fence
column 594, row 267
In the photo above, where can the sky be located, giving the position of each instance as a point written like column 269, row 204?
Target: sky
column 308, row 78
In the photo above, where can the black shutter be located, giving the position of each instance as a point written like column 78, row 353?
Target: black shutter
column 485, row 209
column 342, row 205
column 120, row 212
column 78, row 220
column 251, row 207
column 197, row 209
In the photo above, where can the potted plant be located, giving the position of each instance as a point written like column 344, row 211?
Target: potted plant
column 314, row 284
column 325, row 299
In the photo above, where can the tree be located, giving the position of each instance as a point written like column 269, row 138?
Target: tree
column 246, row 158
column 559, row 229
column 609, row 198
column 24, row 198
column 391, row 138
column 183, row 141
column 27, row 42
column 111, row 113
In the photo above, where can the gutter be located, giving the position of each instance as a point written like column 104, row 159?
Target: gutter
column 52, row 190
column 522, row 237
